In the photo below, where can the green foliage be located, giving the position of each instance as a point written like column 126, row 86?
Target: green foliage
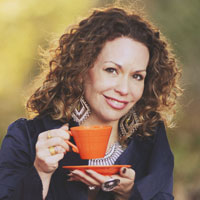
column 26, row 25
column 178, row 20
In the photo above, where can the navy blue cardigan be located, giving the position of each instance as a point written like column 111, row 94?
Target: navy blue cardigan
column 151, row 159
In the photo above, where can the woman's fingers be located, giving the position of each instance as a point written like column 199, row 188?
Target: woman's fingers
column 121, row 190
column 65, row 127
column 50, row 149
column 52, row 160
column 54, row 137
column 127, row 177
column 91, row 175
column 57, row 141
column 127, row 173
column 83, row 177
column 96, row 176
column 61, row 132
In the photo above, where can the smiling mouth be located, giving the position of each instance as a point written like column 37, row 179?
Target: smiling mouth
column 115, row 103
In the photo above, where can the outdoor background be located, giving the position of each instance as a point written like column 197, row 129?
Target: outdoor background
column 27, row 24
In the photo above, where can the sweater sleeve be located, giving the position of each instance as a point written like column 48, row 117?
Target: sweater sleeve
column 158, row 183
column 19, row 179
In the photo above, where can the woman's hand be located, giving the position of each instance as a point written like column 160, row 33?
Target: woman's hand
column 50, row 149
column 91, row 178
column 45, row 161
column 123, row 190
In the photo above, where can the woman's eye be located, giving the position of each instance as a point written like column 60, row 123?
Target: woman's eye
column 111, row 70
column 139, row 77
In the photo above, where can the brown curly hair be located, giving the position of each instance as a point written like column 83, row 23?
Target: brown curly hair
column 77, row 51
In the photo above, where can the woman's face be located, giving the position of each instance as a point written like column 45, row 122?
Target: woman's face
column 116, row 82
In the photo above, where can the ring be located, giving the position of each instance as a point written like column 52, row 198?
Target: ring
column 91, row 187
column 52, row 150
column 110, row 185
column 49, row 135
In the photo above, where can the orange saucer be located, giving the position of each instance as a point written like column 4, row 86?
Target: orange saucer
column 104, row 170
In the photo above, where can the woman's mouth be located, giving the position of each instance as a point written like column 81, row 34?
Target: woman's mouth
column 115, row 103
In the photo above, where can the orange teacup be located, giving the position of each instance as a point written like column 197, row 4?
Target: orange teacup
column 91, row 141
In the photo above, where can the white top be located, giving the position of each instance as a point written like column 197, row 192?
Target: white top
column 111, row 156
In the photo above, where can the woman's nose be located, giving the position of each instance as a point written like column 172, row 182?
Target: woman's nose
column 122, row 87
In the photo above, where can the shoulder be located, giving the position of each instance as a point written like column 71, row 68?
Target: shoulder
column 160, row 133
column 157, row 140
column 162, row 149
column 18, row 124
column 33, row 126
column 21, row 136
column 17, row 129
column 159, row 129
column 17, row 144
column 24, row 131
column 23, row 125
column 17, row 132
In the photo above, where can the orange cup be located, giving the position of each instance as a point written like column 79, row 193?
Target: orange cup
column 91, row 141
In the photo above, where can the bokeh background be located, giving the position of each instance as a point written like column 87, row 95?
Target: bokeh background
column 27, row 24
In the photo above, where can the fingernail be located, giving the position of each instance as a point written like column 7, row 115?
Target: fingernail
column 124, row 171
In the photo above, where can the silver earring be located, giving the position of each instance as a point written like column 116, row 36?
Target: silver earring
column 129, row 123
column 81, row 112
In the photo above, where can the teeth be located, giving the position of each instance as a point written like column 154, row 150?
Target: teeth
column 116, row 103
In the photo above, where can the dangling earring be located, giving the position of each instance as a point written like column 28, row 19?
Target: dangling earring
column 129, row 123
column 81, row 112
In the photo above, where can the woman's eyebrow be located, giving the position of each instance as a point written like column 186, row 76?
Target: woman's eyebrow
column 143, row 70
column 114, row 63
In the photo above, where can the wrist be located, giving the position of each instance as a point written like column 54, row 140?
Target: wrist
column 45, row 179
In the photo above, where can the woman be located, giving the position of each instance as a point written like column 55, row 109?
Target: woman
column 113, row 68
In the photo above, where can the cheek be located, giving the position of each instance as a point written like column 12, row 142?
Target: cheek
column 137, row 92
column 89, row 81
column 93, row 87
column 100, row 82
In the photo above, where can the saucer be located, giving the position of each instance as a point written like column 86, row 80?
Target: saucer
column 104, row 170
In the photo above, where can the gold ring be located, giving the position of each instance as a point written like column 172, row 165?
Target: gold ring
column 52, row 150
column 49, row 135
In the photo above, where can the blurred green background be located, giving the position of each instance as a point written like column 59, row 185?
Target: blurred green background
column 27, row 24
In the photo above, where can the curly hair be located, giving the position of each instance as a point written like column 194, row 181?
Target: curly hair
column 77, row 51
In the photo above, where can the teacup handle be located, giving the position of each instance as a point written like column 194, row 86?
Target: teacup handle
column 74, row 147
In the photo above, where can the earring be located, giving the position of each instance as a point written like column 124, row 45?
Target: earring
column 129, row 123
column 81, row 112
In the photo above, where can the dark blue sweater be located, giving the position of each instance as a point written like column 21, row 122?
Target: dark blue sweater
column 151, row 159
